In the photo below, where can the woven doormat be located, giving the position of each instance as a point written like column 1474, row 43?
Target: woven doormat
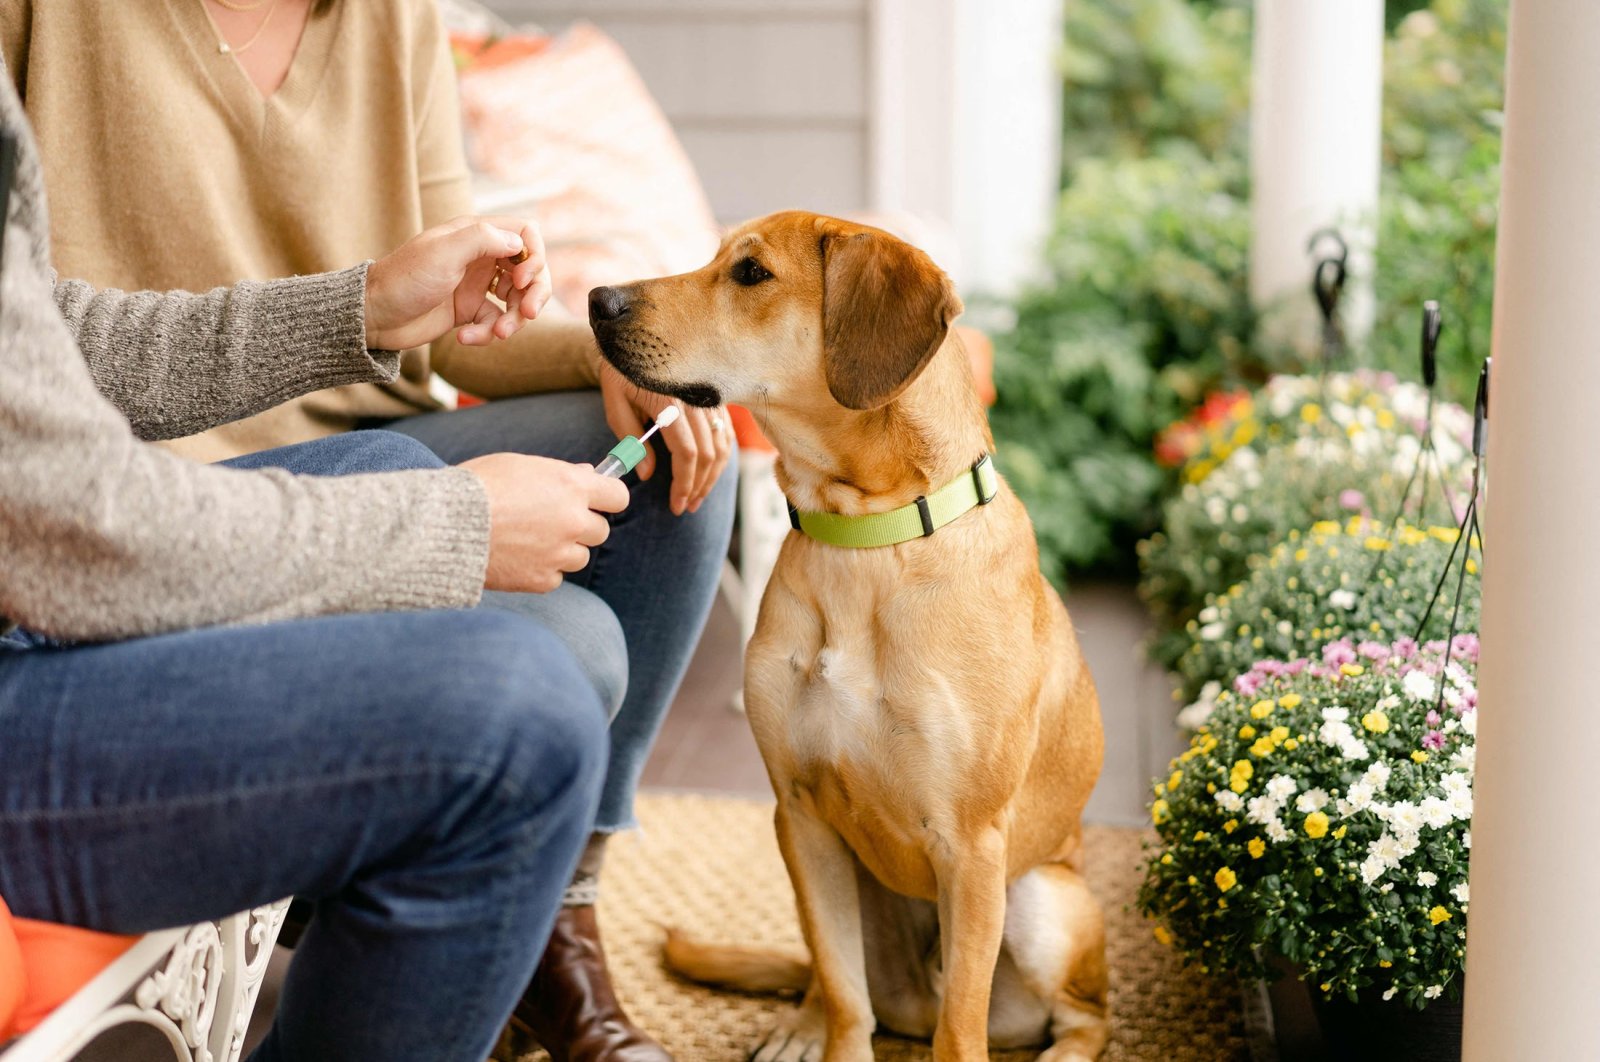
column 710, row 866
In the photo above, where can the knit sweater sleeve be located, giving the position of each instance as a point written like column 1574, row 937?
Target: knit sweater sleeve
column 178, row 363
column 106, row 537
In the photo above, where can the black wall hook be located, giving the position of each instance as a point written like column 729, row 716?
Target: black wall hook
column 1432, row 324
column 1480, row 411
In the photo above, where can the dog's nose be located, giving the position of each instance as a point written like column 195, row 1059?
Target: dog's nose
column 607, row 304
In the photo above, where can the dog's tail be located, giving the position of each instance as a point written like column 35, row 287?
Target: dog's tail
column 747, row 969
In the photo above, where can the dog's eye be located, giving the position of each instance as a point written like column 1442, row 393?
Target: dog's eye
column 749, row 272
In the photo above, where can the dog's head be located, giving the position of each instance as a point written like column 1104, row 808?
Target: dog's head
column 796, row 310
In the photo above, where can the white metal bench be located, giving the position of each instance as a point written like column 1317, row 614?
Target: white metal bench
column 197, row 986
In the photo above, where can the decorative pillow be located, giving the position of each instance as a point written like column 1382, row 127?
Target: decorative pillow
column 565, row 124
column 43, row 964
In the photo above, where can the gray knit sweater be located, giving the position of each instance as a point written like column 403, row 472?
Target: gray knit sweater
column 104, row 536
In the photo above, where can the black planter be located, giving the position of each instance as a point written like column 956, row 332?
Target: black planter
column 1292, row 1021
column 1370, row 1030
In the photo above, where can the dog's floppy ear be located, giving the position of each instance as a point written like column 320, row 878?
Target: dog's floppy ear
column 886, row 308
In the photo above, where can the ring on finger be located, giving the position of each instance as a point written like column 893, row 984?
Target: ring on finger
column 716, row 423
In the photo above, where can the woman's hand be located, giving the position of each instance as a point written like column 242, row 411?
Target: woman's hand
column 544, row 517
column 442, row 279
column 701, row 441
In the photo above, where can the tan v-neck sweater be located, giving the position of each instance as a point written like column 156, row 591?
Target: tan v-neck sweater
column 167, row 168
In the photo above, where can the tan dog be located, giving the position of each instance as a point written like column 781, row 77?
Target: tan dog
column 931, row 731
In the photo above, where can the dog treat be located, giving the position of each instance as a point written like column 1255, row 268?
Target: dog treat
column 630, row 451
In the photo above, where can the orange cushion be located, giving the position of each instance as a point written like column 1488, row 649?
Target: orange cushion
column 568, row 122
column 42, row 964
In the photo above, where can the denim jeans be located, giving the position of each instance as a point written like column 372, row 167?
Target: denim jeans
column 657, row 574
column 427, row 778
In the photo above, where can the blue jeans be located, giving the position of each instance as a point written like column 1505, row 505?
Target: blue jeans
column 656, row 575
column 427, row 778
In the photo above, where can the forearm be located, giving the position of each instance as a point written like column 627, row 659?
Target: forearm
column 549, row 354
column 178, row 363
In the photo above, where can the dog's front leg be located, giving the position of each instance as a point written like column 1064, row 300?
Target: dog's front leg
column 824, row 875
column 971, row 874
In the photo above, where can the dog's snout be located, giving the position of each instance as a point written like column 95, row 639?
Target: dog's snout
column 607, row 304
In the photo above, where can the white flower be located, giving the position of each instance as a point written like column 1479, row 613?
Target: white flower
column 1345, row 599
column 1469, row 722
column 1433, row 991
column 1229, row 801
column 1216, row 509
column 1377, row 776
column 1372, row 869
column 1389, row 992
column 1455, row 782
column 1386, row 888
column 1459, row 892
column 1240, row 514
column 1466, row 758
column 1461, row 804
column 1354, row 749
column 1386, row 850
column 1437, row 813
column 1262, row 810
column 1209, row 614
column 1285, row 628
column 1404, row 817
column 1311, row 800
column 1275, row 832
column 1211, row 632
column 1281, row 787
column 1335, row 732
column 1336, row 715
column 1359, row 797
column 1419, row 687
column 1427, row 879
column 1195, row 715
column 1466, row 839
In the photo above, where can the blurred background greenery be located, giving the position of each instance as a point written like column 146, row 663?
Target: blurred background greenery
column 1144, row 306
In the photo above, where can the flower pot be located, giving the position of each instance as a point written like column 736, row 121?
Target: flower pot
column 1371, row 1030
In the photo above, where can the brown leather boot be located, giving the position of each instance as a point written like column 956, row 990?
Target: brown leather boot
column 570, row 1007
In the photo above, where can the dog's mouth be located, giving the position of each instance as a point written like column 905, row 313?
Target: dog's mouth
column 639, row 360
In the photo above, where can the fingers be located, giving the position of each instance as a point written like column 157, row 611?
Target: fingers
column 593, row 530
column 604, row 495
column 623, row 417
column 574, row 558
column 478, row 240
column 721, row 452
column 686, row 448
column 480, row 332
column 708, row 452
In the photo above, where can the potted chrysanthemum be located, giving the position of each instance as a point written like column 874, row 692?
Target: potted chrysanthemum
column 1325, row 818
column 1357, row 579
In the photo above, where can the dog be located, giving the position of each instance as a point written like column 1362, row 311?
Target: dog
column 928, row 723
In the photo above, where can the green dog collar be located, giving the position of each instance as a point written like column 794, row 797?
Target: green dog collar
column 977, row 486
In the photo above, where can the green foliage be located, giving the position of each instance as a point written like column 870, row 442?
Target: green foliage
column 1144, row 305
column 1443, row 91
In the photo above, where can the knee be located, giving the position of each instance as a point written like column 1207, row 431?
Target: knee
column 356, row 452
column 529, row 713
column 595, row 635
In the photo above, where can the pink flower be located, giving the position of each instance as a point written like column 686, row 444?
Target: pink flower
column 1373, row 650
column 1248, row 684
column 1433, row 739
column 1337, row 653
column 1405, row 648
column 1433, row 718
column 1352, row 499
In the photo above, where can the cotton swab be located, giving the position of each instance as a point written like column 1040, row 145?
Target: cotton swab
column 630, row 451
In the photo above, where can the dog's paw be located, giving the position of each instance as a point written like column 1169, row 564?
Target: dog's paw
column 799, row 1037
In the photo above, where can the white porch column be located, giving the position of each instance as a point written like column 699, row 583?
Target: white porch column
column 1532, row 939
column 1315, row 134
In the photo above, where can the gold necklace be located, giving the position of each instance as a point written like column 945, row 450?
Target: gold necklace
column 223, row 47
column 234, row 5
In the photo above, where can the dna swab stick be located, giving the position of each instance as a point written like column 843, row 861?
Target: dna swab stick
column 630, row 451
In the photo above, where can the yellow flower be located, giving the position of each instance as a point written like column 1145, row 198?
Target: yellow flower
column 1238, row 784
column 1172, row 783
column 1437, row 915
column 1338, row 834
column 1291, row 744
column 1262, row 709
column 1311, row 413
column 1163, row 936
column 1230, row 825
column 1193, row 880
column 1326, row 986
column 1227, row 879
column 1166, row 859
column 1316, row 824
column 1244, row 769
column 1247, row 732
column 1385, row 419
column 1378, row 545
column 1257, row 848
column 1289, row 700
column 1352, row 670
column 1200, row 835
column 1301, row 554
column 1385, row 963
column 1375, row 720
column 1419, row 756
column 1262, row 747
column 1159, row 812
column 1279, row 735
column 1326, row 527
column 1445, row 534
